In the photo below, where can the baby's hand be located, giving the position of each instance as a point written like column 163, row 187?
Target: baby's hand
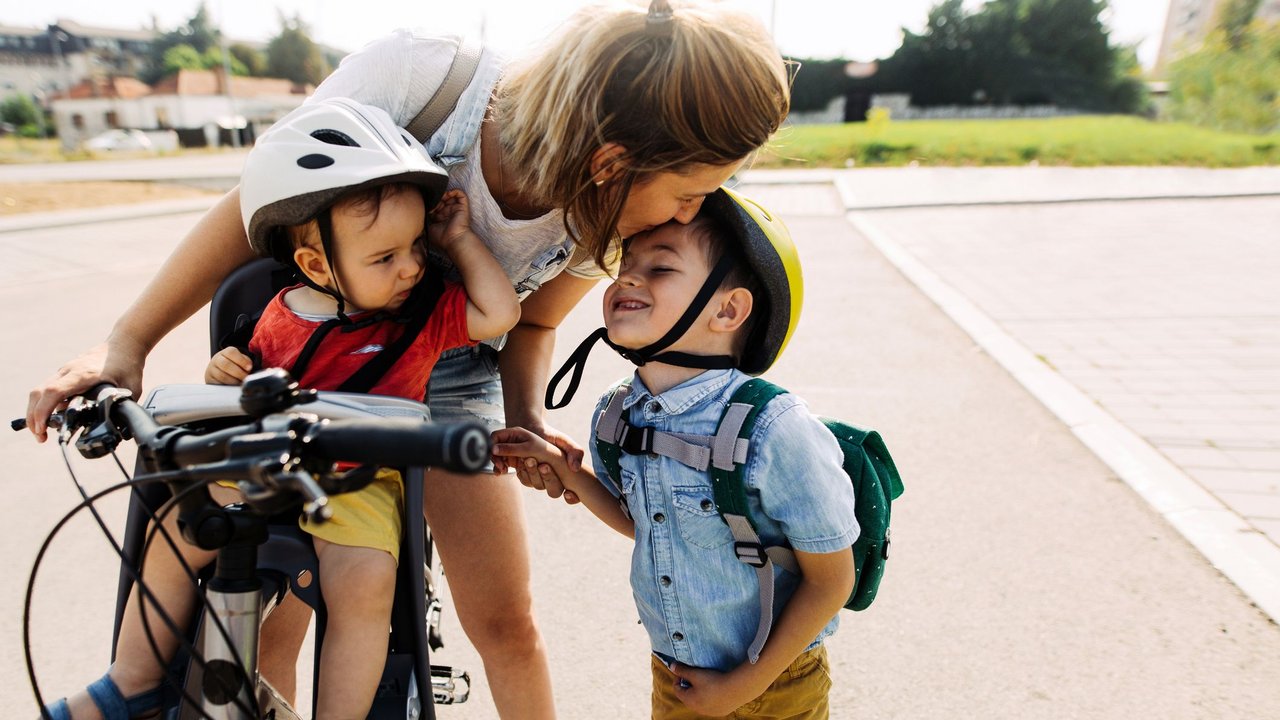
column 450, row 221
column 228, row 367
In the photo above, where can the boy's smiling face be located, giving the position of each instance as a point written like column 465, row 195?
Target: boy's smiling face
column 661, row 273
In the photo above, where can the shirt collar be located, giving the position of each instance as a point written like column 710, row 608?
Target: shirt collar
column 683, row 396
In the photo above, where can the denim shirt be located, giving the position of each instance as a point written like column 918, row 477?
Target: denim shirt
column 698, row 602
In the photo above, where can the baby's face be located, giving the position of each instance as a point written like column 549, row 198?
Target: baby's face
column 661, row 273
column 380, row 256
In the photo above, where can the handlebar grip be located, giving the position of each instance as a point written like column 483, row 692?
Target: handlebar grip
column 459, row 447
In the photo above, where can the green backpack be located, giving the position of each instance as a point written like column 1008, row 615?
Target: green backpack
column 876, row 484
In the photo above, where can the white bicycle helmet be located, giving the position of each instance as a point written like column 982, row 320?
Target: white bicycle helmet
column 321, row 151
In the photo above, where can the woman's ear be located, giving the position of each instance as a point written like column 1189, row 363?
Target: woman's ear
column 735, row 308
column 312, row 263
column 606, row 162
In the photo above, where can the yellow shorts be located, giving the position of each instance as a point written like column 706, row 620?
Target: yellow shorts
column 369, row 517
column 801, row 692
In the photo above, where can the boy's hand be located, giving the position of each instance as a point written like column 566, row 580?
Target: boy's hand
column 538, row 471
column 228, row 367
column 450, row 221
column 711, row 692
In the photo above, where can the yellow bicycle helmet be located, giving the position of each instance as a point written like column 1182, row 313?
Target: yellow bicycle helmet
column 771, row 255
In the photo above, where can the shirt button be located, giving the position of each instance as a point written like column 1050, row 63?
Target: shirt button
column 707, row 504
column 677, row 636
column 666, row 581
column 659, row 518
column 655, row 406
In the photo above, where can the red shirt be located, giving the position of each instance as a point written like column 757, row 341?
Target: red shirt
column 280, row 335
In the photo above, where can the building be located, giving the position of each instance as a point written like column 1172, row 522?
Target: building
column 41, row 62
column 194, row 103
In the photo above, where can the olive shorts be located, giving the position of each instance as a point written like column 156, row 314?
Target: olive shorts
column 799, row 693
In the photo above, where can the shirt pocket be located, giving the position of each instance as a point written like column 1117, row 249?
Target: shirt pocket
column 696, row 516
column 543, row 268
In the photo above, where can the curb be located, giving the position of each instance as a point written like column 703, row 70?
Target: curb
column 1241, row 553
column 109, row 213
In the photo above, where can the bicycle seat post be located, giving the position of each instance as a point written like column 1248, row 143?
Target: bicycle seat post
column 228, row 681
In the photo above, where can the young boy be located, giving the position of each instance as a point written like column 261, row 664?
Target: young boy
column 698, row 602
column 354, row 229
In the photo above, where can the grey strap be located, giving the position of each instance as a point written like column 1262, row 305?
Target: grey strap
column 743, row 533
column 433, row 114
column 725, row 442
column 609, row 426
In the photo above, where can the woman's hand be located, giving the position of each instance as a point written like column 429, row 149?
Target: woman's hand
column 115, row 362
column 541, row 475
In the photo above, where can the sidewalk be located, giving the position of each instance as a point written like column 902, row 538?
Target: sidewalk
column 1150, row 326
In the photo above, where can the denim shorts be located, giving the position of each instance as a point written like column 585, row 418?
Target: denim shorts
column 465, row 387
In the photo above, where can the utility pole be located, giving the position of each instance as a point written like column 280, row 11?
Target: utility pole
column 226, row 74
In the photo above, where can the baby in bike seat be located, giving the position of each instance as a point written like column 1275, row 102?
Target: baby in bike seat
column 347, row 199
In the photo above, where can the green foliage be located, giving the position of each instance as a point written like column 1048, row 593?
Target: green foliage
column 182, row 57
column 1018, row 52
column 198, row 33
column 1230, row 87
column 816, row 82
column 294, row 55
column 1083, row 141
column 20, row 110
column 253, row 60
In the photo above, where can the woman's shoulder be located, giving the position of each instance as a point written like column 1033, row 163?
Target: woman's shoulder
column 398, row 72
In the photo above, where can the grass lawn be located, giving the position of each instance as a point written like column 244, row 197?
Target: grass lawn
column 1086, row 140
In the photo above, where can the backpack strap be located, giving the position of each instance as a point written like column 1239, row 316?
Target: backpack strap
column 729, row 485
column 607, row 448
column 433, row 114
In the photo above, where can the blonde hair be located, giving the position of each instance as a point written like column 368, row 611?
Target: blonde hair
column 706, row 87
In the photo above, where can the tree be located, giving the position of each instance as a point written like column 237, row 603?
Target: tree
column 816, row 83
column 294, row 55
column 19, row 110
column 198, row 33
column 1017, row 52
column 1230, row 83
column 253, row 60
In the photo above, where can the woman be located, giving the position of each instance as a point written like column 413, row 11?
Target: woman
column 622, row 121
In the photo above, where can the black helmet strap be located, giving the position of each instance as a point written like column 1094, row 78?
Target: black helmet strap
column 652, row 352
column 325, row 223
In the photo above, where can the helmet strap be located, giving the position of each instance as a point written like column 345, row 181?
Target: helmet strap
column 653, row 351
column 325, row 224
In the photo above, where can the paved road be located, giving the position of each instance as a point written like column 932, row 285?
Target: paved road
column 1027, row 580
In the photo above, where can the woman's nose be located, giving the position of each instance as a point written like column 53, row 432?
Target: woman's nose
column 688, row 211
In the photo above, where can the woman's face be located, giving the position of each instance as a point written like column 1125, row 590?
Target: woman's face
column 658, row 197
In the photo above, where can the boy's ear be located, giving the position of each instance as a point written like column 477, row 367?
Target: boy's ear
column 312, row 263
column 735, row 308
column 606, row 162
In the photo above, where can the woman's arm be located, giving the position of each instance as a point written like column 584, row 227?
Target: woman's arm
column 525, row 363
column 207, row 254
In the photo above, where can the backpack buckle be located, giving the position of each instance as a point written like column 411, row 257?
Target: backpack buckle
column 751, row 553
column 636, row 440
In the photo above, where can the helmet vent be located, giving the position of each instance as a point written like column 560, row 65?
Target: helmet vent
column 334, row 137
column 314, row 161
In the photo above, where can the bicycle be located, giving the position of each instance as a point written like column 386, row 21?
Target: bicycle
column 189, row 436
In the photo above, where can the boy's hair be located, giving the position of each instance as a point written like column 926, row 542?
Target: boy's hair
column 362, row 202
column 711, row 91
column 717, row 241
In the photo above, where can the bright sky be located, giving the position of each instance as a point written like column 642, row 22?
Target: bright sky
column 857, row 29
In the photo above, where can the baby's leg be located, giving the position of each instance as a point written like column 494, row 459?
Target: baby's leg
column 136, row 669
column 358, row 584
